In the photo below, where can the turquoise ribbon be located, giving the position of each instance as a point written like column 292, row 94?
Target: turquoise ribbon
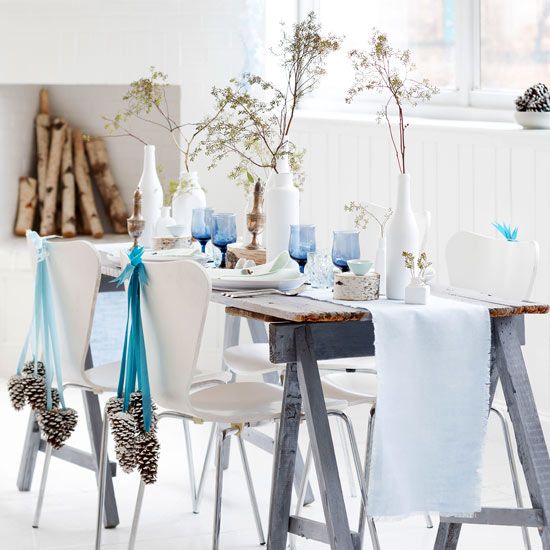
column 133, row 366
column 42, row 337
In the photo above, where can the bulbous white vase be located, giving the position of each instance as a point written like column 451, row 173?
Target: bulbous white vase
column 402, row 235
column 152, row 195
column 282, row 209
column 380, row 263
column 190, row 196
column 164, row 222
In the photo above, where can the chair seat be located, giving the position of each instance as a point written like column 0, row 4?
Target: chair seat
column 243, row 402
column 353, row 387
column 254, row 359
column 105, row 377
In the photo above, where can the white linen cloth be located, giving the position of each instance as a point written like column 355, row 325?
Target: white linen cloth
column 433, row 365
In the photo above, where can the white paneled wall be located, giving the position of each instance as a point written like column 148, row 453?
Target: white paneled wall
column 467, row 175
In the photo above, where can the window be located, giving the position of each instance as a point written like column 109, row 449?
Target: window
column 480, row 53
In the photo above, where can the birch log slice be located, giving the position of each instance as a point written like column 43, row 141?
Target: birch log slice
column 84, row 184
column 348, row 286
column 105, row 181
column 47, row 223
column 42, row 148
column 28, row 198
column 68, row 202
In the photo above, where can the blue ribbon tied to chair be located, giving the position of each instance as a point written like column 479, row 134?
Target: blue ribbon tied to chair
column 133, row 367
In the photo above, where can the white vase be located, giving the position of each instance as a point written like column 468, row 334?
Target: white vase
column 416, row 292
column 165, row 221
column 380, row 263
column 189, row 195
column 282, row 209
column 151, row 193
column 402, row 236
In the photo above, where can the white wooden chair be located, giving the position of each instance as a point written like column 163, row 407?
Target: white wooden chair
column 75, row 271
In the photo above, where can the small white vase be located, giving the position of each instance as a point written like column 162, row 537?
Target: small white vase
column 165, row 221
column 402, row 236
column 152, row 195
column 416, row 292
column 380, row 263
column 282, row 209
column 189, row 195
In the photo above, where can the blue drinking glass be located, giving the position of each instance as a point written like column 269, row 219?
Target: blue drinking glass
column 345, row 246
column 224, row 232
column 201, row 225
column 302, row 241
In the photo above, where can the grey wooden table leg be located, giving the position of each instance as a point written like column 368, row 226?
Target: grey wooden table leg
column 336, row 519
column 30, row 452
column 284, row 462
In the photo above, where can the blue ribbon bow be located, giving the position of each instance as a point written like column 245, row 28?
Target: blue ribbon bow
column 133, row 365
column 42, row 337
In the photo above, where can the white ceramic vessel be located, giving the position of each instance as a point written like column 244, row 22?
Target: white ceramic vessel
column 282, row 209
column 532, row 120
column 416, row 292
column 402, row 236
column 380, row 264
column 189, row 196
column 152, row 195
column 164, row 222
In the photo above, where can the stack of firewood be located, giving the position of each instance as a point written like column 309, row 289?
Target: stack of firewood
column 60, row 200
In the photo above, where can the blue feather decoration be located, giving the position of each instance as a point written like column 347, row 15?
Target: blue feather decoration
column 506, row 231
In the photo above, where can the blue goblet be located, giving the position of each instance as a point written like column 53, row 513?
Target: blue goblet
column 302, row 241
column 201, row 225
column 345, row 246
column 224, row 232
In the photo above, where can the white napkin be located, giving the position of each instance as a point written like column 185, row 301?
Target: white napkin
column 431, row 414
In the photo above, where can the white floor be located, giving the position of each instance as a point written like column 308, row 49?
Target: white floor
column 167, row 522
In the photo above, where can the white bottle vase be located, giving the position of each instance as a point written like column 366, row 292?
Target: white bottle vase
column 282, row 209
column 190, row 195
column 380, row 263
column 402, row 235
column 152, row 195
column 165, row 220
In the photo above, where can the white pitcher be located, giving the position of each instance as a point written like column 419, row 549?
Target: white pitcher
column 152, row 195
column 402, row 236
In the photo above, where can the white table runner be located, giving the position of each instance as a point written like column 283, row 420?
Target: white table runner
column 433, row 367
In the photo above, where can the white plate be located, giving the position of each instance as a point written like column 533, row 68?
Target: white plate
column 257, row 283
column 200, row 258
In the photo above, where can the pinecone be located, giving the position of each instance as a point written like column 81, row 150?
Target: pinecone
column 55, row 398
column 123, row 427
column 113, row 406
column 70, row 419
column 51, row 424
column 536, row 98
column 147, row 456
column 35, row 391
column 16, row 391
column 136, row 409
column 29, row 368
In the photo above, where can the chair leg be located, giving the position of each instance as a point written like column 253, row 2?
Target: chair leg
column 190, row 463
column 347, row 459
column 222, row 437
column 428, row 520
column 137, row 514
column 251, row 492
column 42, row 490
column 360, row 477
column 513, row 471
column 207, row 457
column 102, row 481
column 301, row 493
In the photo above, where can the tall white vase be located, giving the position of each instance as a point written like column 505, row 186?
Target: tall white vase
column 152, row 195
column 380, row 263
column 402, row 235
column 282, row 209
column 189, row 196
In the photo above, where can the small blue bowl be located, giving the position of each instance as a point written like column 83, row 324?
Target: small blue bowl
column 177, row 230
column 360, row 267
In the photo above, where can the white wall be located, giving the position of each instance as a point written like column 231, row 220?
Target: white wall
column 467, row 174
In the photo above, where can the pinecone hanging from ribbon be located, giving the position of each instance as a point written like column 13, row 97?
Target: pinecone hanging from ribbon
column 123, row 426
column 55, row 398
column 113, row 406
column 136, row 409
column 16, row 391
column 29, row 368
column 147, row 456
column 35, row 391
column 57, row 425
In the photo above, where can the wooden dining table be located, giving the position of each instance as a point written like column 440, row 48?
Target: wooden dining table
column 302, row 331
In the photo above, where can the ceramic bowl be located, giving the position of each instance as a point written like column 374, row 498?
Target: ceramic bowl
column 177, row 230
column 533, row 120
column 359, row 267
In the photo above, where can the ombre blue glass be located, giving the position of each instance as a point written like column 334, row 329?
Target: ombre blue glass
column 224, row 232
column 201, row 225
column 302, row 241
column 345, row 246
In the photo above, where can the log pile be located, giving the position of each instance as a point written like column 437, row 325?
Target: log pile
column 60, row 198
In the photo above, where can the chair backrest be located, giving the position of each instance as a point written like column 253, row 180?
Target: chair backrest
column 492, row 266
column 75, row 274
column 174, row 305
